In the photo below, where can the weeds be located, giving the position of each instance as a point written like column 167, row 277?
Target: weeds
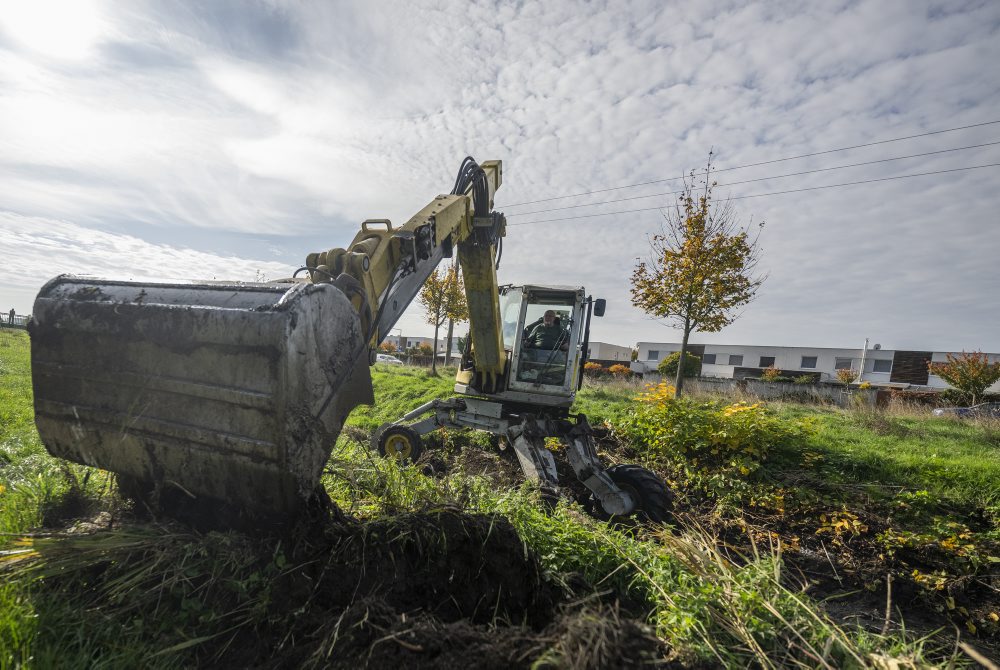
column 436, row 563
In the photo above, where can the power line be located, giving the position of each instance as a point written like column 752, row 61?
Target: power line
column 760, row 195
column 748, row 181
column 776, row 160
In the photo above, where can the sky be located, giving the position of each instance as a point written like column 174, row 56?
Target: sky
column 228, row 139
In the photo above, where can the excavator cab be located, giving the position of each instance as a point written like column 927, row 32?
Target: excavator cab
column 545, row 351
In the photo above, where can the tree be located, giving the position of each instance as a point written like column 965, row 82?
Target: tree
column 702, row 265
column 847, row 376
column 668, row 366
column 459, row 311
column 971, row 373
column 387, row 348
column 443, row 296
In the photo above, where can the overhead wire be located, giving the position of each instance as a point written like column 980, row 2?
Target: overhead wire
column 748, row 181
column 760, row 195
column 759, row 163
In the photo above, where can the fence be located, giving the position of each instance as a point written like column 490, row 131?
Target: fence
column 14, row 321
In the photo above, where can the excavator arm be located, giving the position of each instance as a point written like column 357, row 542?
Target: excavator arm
column 237, row 392
column 389, row 265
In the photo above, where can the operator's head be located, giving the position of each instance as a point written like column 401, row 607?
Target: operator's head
column 549, row 317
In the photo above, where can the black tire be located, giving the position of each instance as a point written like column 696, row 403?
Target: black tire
column 399, row 442
column 654, row 500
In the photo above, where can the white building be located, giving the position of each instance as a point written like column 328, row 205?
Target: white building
column 602, row 351
column 878, row 366
column 404, row 342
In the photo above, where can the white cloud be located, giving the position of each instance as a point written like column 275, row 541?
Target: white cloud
column 300, row 119
column 36, row 249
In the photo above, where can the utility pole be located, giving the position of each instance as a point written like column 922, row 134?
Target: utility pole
column 864, row 354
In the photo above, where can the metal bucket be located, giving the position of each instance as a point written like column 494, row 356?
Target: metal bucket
column 230, row 391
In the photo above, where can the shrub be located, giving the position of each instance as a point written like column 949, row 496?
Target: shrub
column 668, row 366
column 619, row 370
column 387, row 348
column 770, row 374
column 710, row 446
column 802, row 380
column 847, row 376
column 594, row 370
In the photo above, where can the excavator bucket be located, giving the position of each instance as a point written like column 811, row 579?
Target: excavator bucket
column 227, row 391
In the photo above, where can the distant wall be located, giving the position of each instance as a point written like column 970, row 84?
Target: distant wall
column 818, row 393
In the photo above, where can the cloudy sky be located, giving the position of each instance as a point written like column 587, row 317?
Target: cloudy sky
column 230, row 138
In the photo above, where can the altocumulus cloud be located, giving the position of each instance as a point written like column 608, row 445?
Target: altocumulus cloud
column 211, row 128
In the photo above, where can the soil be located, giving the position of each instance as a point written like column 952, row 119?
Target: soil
column 434, row 589
column 848, row 576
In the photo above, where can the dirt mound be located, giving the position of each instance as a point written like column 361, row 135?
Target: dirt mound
column 434, row 589
column 446, row 563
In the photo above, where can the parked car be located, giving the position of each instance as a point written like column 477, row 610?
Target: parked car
column 986, row 409
column 386, row 358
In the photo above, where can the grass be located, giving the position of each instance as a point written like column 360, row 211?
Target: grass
column 131, row 594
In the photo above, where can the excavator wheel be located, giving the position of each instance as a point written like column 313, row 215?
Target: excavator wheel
column 399, row 442
column 654, row 500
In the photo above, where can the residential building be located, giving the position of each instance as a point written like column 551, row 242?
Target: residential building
column 404, row 342
column 879, row 367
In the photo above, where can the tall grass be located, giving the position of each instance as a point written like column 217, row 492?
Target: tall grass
column 143, row 596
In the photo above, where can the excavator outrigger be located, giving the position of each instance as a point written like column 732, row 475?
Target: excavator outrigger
column 236, row 392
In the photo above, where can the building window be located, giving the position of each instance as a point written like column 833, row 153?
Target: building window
column 881, row 365
column 735, row 359
column 766, row 361
column 708, row 359
column 843, row 364
column 653, row 355
column 808, row 362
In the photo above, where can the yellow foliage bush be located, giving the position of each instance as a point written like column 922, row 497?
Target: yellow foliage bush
column 712, row 446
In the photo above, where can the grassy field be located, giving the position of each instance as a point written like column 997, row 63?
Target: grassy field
column 859, row 539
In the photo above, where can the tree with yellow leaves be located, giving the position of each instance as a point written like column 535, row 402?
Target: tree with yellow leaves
column 969, row 372
column 702, row 266
column 443, row 296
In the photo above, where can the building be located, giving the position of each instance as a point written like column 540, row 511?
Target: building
column 404, row 342
column 610, row 353
column 879, row 367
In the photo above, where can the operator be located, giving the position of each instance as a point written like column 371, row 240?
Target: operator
column 547, row 334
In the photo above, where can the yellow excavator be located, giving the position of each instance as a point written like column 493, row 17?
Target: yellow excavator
column 236, row 392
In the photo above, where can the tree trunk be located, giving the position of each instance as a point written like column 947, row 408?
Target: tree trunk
column 447, row 353
column 434, row 356
column 679, row 379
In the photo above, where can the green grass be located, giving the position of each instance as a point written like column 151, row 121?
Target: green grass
column 704, row 606
column 400, row 389
column 954, row 460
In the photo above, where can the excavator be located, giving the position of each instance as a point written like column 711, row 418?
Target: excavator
column 236, row 392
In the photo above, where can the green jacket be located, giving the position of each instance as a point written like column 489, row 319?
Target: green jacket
column 544, row 337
